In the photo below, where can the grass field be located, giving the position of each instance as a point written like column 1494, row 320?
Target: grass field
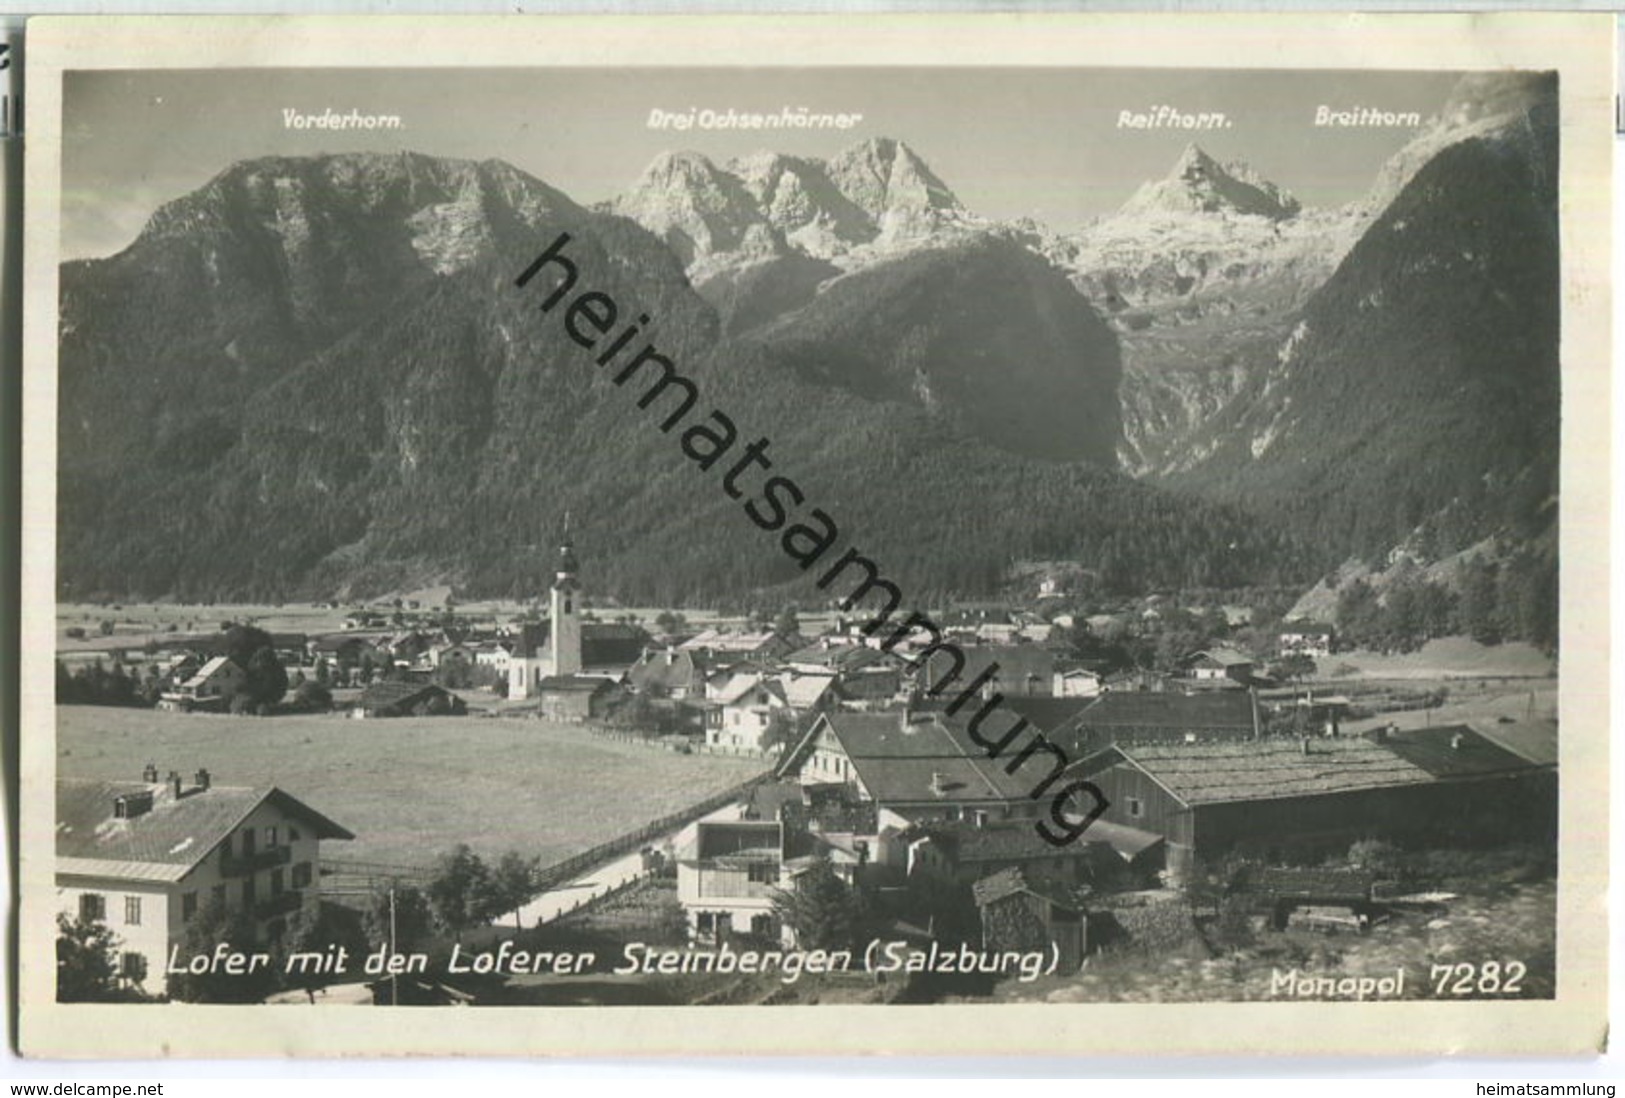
column 1445, row 658
column 412, row 787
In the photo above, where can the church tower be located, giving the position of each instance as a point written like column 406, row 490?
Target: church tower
column 566, row 625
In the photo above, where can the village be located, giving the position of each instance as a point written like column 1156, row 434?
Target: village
column 832, row 798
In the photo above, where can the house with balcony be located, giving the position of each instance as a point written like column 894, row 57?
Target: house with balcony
column 727, row 878
column 146, row 856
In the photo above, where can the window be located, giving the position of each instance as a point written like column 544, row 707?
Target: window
column 132, row 911
column 188, row 905
column 133, row 967
column 293, row 834
column 761, row 873
column 301, row 875
column 276, row 882
column 92, row 907
column 1136, row 807
column 270, row 838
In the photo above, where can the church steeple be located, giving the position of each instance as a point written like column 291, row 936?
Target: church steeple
column 566, row 567
column 566, row 622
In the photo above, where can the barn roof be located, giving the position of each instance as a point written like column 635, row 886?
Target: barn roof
column 1012, row 882
column 840, row 657
column 166, row 841
column 1047, row 714
column 1147, row 709
column 572, row 684
column 1456, row 751
column 1218, row 773
column 382, row 695
column 1224, row 657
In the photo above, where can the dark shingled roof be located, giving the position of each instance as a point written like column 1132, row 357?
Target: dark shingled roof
column 1127, row 710
column 573, row 684
column 1290, row 882
column 1216, row 773
column 384, row 695
column 1047, row 714
column 174, row 832
column 900, row 760
column 1012, row 882
column 1442, row 754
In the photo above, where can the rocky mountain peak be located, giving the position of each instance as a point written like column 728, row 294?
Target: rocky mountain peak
column 890, row 182
column 1200, row 184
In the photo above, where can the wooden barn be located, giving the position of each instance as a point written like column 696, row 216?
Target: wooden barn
column 1085, row 725
column 1018, row 914
column 573, row 697
column 1449, row 785
column 407, row 699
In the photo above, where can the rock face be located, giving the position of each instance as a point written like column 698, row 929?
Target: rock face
column 877, row 194
column 317, row 375
column 1200, row 184
column 1418, row 389
column 314, row 374
column 698, row 209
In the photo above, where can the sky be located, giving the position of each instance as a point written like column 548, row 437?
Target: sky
column 1027, row 142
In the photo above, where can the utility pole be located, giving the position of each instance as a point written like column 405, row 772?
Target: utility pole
column 394, row 977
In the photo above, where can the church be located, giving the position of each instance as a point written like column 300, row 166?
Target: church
column 571, row 666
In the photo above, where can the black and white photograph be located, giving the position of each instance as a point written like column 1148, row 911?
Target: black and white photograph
column 742, row 528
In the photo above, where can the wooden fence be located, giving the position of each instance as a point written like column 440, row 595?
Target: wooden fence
column 573, row 866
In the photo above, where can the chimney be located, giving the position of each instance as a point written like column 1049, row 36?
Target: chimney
column 201, row 779
column 149, row 774
column 1456, row 741
column 174, row 782
column 939, row 783
column 1305, row 743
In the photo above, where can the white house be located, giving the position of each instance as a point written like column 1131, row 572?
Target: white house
column 1076, row 682
column 1302, row 638
column 145, row 857
column 744, row 712
column 211, row 687
column 727, row 878
column 1219, row 664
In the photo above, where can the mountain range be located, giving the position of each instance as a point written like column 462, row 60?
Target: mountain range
column 314, row 375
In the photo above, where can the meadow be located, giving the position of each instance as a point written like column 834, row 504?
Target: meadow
column 412, row 787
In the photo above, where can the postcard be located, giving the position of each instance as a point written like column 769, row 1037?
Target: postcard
column 690, row 535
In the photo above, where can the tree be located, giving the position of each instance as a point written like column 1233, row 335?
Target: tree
column 787, row 624
column 820, row 908
column 215, row 925
column 1480, row 604
column 313, row 697
column 86, row 961
column 1296, row 666
column 267, row 678
column 253, row 650
column 330, row 926
column 513, row 883
column 782, row 731
column 406, row 909
column 460, row 893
